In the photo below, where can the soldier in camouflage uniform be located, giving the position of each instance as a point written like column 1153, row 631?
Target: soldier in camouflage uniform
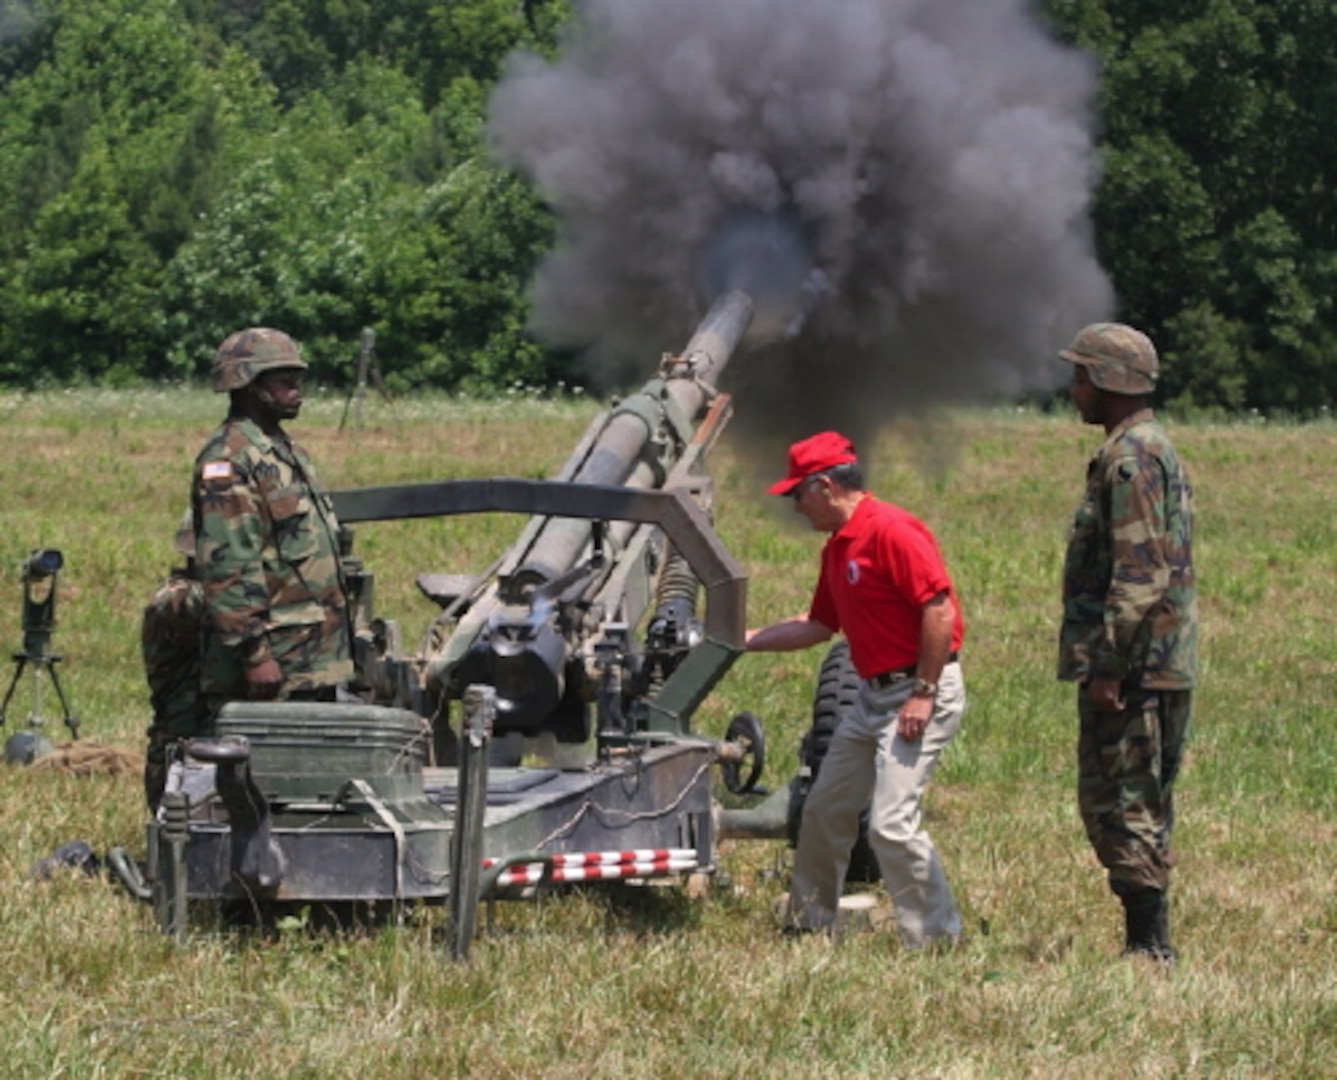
column 170, row 642
column 276, row 605
column 1130, row 626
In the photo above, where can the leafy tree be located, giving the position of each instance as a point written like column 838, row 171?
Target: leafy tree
column 173, row 169
column 306, row 45
column 89, row 276
column 1216, row 218
column 312, row 164
column 82, row 139
column 498, row 232
column 26, row 31
column 330, row 229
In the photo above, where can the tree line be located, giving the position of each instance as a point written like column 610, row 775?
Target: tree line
column 171, row 170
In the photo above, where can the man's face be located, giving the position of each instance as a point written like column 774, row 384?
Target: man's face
column 281, row 391
column 1086, row 395
column 812, row 499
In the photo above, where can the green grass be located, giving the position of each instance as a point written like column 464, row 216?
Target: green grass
column 671, row 986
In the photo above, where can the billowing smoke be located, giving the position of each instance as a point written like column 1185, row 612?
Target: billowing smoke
column 913, row 176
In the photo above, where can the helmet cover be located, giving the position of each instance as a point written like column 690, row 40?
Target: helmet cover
column 1120, row 359
column 248, row 353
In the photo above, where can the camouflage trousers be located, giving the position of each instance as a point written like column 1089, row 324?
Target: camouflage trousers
column 155, row 765
column 1127, row 764
column 174, row 718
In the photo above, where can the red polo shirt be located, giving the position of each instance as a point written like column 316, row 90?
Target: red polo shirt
column 878, row 571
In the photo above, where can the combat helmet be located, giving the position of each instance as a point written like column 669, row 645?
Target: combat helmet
column 247, row 353
column 1120, row 359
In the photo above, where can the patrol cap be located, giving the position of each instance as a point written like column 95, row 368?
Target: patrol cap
column 248, row 353
column 1121, row 360
column 812, row 455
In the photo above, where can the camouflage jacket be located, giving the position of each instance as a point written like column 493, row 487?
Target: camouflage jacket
column 170, row 643
column 267, row 553
column 1130, row 608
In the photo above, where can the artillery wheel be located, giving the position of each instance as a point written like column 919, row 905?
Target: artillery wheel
column 837, row 692
column 744, row 729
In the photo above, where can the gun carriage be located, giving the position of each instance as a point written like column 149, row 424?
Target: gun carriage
column 594, row 637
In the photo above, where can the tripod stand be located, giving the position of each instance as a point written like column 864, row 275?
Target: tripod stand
column 366, row 360
column 39, row 620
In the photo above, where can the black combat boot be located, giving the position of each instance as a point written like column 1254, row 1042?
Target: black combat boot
column 1146, row 915
column 1166, row 952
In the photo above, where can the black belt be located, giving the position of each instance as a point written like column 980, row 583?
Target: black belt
column 892, row 678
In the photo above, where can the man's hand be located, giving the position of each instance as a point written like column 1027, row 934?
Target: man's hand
column 264, row 680
column 1104, row 695
column 913, row 718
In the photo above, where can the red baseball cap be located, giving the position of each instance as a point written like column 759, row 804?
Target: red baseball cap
column 813, row 455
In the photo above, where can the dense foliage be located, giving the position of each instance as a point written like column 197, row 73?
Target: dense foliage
column 1217, row 215
column 170, row 171
column 173, row 169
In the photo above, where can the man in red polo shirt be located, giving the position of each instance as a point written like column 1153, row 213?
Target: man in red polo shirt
column 884, row 585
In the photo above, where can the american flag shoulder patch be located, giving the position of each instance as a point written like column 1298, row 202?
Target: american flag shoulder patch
column 216, row 470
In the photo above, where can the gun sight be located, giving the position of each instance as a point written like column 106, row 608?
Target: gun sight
column 41, row 564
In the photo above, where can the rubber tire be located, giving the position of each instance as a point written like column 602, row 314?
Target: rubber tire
column 837, row 692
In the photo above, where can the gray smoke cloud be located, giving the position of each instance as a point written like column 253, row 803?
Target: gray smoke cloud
column 914, row 175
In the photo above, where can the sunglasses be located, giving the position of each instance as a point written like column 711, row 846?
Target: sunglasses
column 802, row 486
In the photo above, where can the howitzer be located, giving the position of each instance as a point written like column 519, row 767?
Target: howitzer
column 621, row 539
column 585, row 632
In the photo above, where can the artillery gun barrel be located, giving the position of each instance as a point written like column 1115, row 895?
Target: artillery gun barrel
column 616, row 455
column 618, row 448
column 518, row 630
column 619, row 444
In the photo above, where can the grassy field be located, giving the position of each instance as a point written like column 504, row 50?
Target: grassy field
column 672, row 986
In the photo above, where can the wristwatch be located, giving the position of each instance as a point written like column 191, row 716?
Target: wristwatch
column 924, row 688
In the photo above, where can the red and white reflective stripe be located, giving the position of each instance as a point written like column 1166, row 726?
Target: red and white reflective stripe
column 613, row 858
column 568, row 866
column 532, row 873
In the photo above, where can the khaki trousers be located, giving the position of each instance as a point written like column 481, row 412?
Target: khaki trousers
column 868, row 765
